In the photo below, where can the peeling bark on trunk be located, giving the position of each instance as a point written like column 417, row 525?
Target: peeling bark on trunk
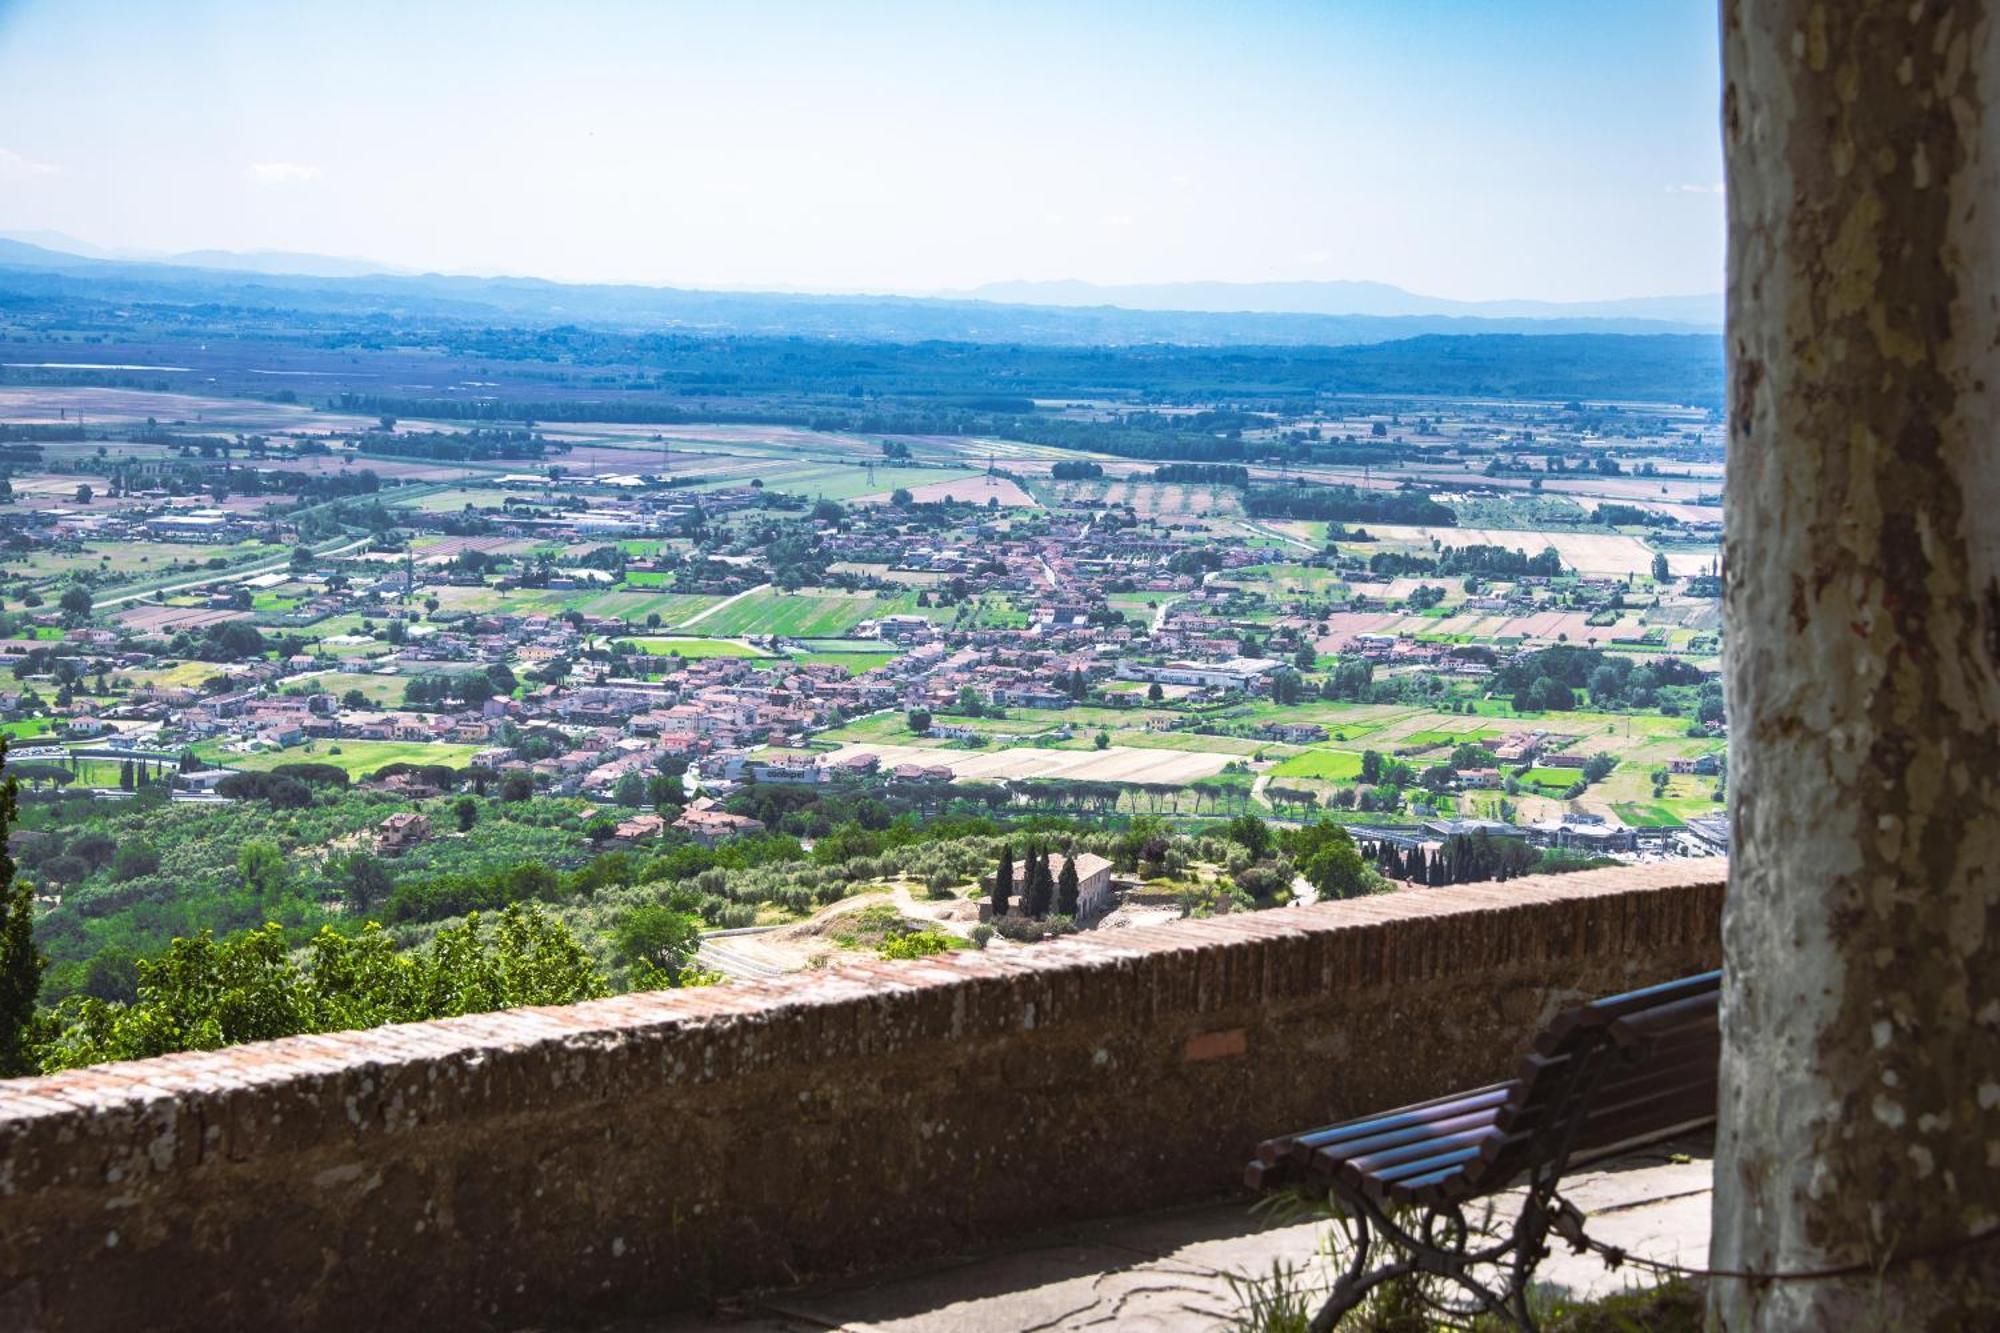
column 1860, row 1115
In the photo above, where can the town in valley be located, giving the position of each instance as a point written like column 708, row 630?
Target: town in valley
column 349, row 627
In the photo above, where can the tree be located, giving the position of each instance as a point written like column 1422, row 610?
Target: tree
column 1371, row 766
column 127, row 781
column 1067, row 894
column 354, row 700
column 518, row 785
column 362, row 881
column 84, row 495
column 1252, row 834
column 1039, row 892
column 1660, row 570
column 630, row 790
column 261, row 868
column 1863, row 968
column 76, row 600
column 466, row 811
column 1003, row 882
column 1471, row 755
column 900, row 498
column 1154, row 693
column 659, row 943
column 203, row 993
column 919, row 720
column 1326, row 855
column 133, row 859
column 1103, row 740
column 21, row 961
column 112, row 974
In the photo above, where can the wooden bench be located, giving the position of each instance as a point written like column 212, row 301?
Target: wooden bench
column 1601, row 1079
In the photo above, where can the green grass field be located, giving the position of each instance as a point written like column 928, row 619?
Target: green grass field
column 131, row 558
column 1327, row 765
column 1287, row 581
column 1643, row 814
column 832, row 481
column 817, row 614
column 854, row 664
column 182, row 675
column 1469, row 736
column 358, row 758
column 627, row 604
column 382, row 691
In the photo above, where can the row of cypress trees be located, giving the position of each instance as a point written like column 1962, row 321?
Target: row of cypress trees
column 1040, row 891
column 1460, row 859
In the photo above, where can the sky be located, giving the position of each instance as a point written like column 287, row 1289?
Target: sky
column 1472, row 149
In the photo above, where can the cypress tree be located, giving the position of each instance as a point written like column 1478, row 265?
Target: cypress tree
column 126, row 780
column 1041, row 889
column 21, row 963
column 1067, row 890
column 1003, row 881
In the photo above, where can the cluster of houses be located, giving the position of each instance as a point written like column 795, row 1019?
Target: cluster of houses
column 590, row 715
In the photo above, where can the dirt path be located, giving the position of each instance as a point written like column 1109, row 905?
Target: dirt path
column 727, row 601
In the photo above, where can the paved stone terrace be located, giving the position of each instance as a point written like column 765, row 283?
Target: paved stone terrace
column 1171, row 1271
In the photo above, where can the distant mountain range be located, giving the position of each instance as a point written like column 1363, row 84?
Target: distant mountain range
column 51, row 267
column 1339, row 298
column 237, row 261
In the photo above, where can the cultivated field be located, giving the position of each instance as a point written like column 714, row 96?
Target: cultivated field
column 1151, row 499
column 818, row 614
column 1587, row 553
column 976, row 489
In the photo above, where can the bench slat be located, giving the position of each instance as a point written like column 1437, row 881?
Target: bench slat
column 1356, row 1149
column 1599, row 1013
column 1377, row 1182
column 1646, row 1060
column 1419, row 1113
column 1380, row 1163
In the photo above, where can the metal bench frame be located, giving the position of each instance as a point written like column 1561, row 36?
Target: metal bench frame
column 1476, row 1271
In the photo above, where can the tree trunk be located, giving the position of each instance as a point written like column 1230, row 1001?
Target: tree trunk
column 1860, row 1114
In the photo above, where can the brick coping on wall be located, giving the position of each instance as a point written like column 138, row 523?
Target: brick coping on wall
column 633, row 1154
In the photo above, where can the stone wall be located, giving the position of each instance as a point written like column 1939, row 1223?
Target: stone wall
column 646, row 1152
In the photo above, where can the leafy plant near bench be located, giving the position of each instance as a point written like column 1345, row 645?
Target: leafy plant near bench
column 1283, row 1300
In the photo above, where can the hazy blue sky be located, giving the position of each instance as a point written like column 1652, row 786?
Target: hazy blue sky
column 1474, row 149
